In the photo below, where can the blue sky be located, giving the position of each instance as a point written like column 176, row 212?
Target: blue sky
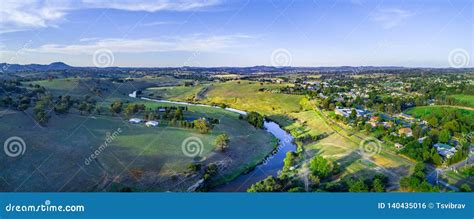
column 238, row 32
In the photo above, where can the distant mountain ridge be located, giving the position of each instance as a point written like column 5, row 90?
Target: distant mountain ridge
column 55, row 66
column 5, row 67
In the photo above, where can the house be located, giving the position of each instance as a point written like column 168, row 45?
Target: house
column 152, row 123
column 133, row 95
column 374, row 121
column 398, row 146
column 346, row 112
column 387, row 124
column 135, row 120
column 420, row 140
column 406, row 131
column 445, row 150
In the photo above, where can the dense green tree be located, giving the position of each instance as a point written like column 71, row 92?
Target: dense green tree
column 289, row 160
column 357, row 186
column 378, row 186
column 465, row 188
column 270, row 184
column 321, row 167
column 202, row 126
column 255, row 119
column 116, row 107
column 222, row 142
column 444, row 136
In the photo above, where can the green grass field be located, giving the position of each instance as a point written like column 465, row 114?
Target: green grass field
column 307, row 123
column 467, row 99
column 173, row 93
column 423, row 111
column 440, row 111
column 245, row 95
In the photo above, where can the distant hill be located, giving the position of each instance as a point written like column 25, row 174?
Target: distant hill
column 5, row 67
column 56, row 66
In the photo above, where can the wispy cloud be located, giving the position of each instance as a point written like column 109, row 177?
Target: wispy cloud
column 392, row 17
column 21, row 15
column 152, row 5
column 157, row 23
column 189, row 43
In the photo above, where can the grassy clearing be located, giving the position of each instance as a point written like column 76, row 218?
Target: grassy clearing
column 173, row 93
column 245, row 95
column 423, row 111
column 307, row 123
column 468, row 99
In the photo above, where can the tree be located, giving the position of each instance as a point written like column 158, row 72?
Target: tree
column 82, row 107
column 321, row 167
column 357, row 186
column 433, row 121
column 435, row 157
column 465, row 188
column 270, row 184
column 325, row 103
column 178, row 115
column 444, row 136
column 116, row 107
column 289, row 160
column 417, row 181
column 202, row 126
column 130, row 109
column 255, row 119
column 353, row 114
column 378, row 186
column 222, row 142
column 417, row 132
column 41, row 116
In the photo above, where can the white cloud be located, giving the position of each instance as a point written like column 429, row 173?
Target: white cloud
column 156, row 23
column 18, row 15
column 190, row 43
column 392, row 17
column 152, row 5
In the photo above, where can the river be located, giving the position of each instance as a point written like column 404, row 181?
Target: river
column 269, row 167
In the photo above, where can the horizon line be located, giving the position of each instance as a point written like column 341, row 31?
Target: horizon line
column 250, row 66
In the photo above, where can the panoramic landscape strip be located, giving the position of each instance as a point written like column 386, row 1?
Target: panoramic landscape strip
column 236, row 109
column 260, row 130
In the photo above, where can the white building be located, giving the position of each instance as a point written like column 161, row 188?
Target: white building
column 133, row 95
column 346, row 112
column 135, row 120
column 152, row 123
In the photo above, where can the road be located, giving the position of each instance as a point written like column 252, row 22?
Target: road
column 433, row 176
